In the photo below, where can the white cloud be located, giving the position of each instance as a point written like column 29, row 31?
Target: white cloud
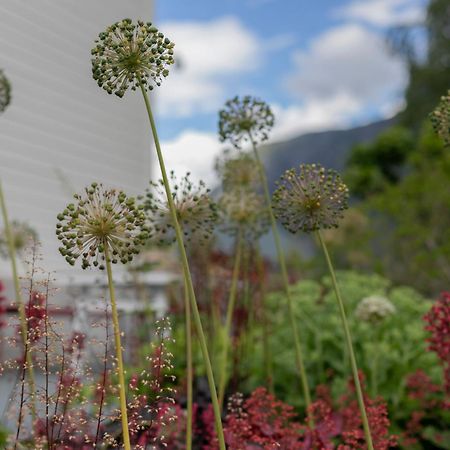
column 192, row 151
column 383, row 12
column 205, row 52
column 348, row 66
column 313, row 115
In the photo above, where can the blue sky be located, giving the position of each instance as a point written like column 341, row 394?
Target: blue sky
column 320, row 64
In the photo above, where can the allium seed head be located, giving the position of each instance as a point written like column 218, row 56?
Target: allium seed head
column 196, row 212
column 22, row 234
column 128, row 54
column 310, row 198
column 243, row 211
column 245, row 119
column 101, row 220
column 239, row 172
column 374, row 309
column 5, row 91
column 440, row 118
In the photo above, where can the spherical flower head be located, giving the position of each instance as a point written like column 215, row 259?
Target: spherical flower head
column 5, row 91
column 310, row 198
column 374, row 309
column 22, row 235
column 196, row 212
column 128, row 54
column 440, row 119
column 243, row 211
column 246, row 119
column 238, row 172
column 99, row 222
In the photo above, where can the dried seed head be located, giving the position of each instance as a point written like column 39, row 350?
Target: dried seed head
column 5, row 91
column 245, row 119
column 22, row 234
column 196, row 212
column 374, row 309
column 130, row 53
column 440, row 119
column 101, row 220
column 310, row 199
column 243, row 211
column 239, row 172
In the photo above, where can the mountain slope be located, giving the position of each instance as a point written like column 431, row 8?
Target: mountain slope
column 330, row 148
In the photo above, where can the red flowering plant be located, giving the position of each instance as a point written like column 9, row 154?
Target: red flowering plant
column 428, row 423
column 261, row 422
column 438, row 324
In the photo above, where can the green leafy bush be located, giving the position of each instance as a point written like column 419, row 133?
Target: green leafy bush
column 387, row 352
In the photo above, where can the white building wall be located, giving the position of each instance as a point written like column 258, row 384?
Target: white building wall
column 61, row 131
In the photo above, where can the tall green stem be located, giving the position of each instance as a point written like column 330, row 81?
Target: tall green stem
column 189, row 368
column 229, row 318
column 284, row 274
column 267, row 354
column 187, row 277
column 348, row 341
column 118, row 345
column 19, row 301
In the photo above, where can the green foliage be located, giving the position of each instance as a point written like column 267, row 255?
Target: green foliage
column 371, row 167
column 415, row 221
column 387, row 353
column 429, row 77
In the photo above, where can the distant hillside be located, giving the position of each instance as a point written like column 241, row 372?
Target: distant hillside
column 330, row 148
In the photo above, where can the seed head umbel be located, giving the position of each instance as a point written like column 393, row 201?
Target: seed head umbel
column 196, row 211
column 440, row 119
column 101, row 220
column 238, row 172
column 374, row 309
column 23, row 236
column 128, row 54
column 245, row 119
column 310, row 198
column 243, row 211
column 5, row 91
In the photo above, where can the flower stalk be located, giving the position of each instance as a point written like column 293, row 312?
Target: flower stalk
column 189, row 368
column 285, row 278
column 348, row 341
column 187, row 275
column 229, row 318
column 118, row 345
column 28, row 362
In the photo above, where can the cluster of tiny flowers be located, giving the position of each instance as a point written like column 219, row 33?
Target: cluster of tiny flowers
column 246, row 119
column 310, row 199
column 438, row 324
column 196, row 212
column 99, row 222
column 243, row 211
column 22, row 235
column 440, row 118
column 374, row 309
column 5, row 91
column 238, row 172
column 130, row 54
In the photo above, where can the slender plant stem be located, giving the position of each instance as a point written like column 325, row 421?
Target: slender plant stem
column 229, row 319
column 188, row 278
column 268, row 365
column 348, row 341
column 19, row 301
column 374, row 363
column 118, row 345
column 189, row 366
column 284, row 275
